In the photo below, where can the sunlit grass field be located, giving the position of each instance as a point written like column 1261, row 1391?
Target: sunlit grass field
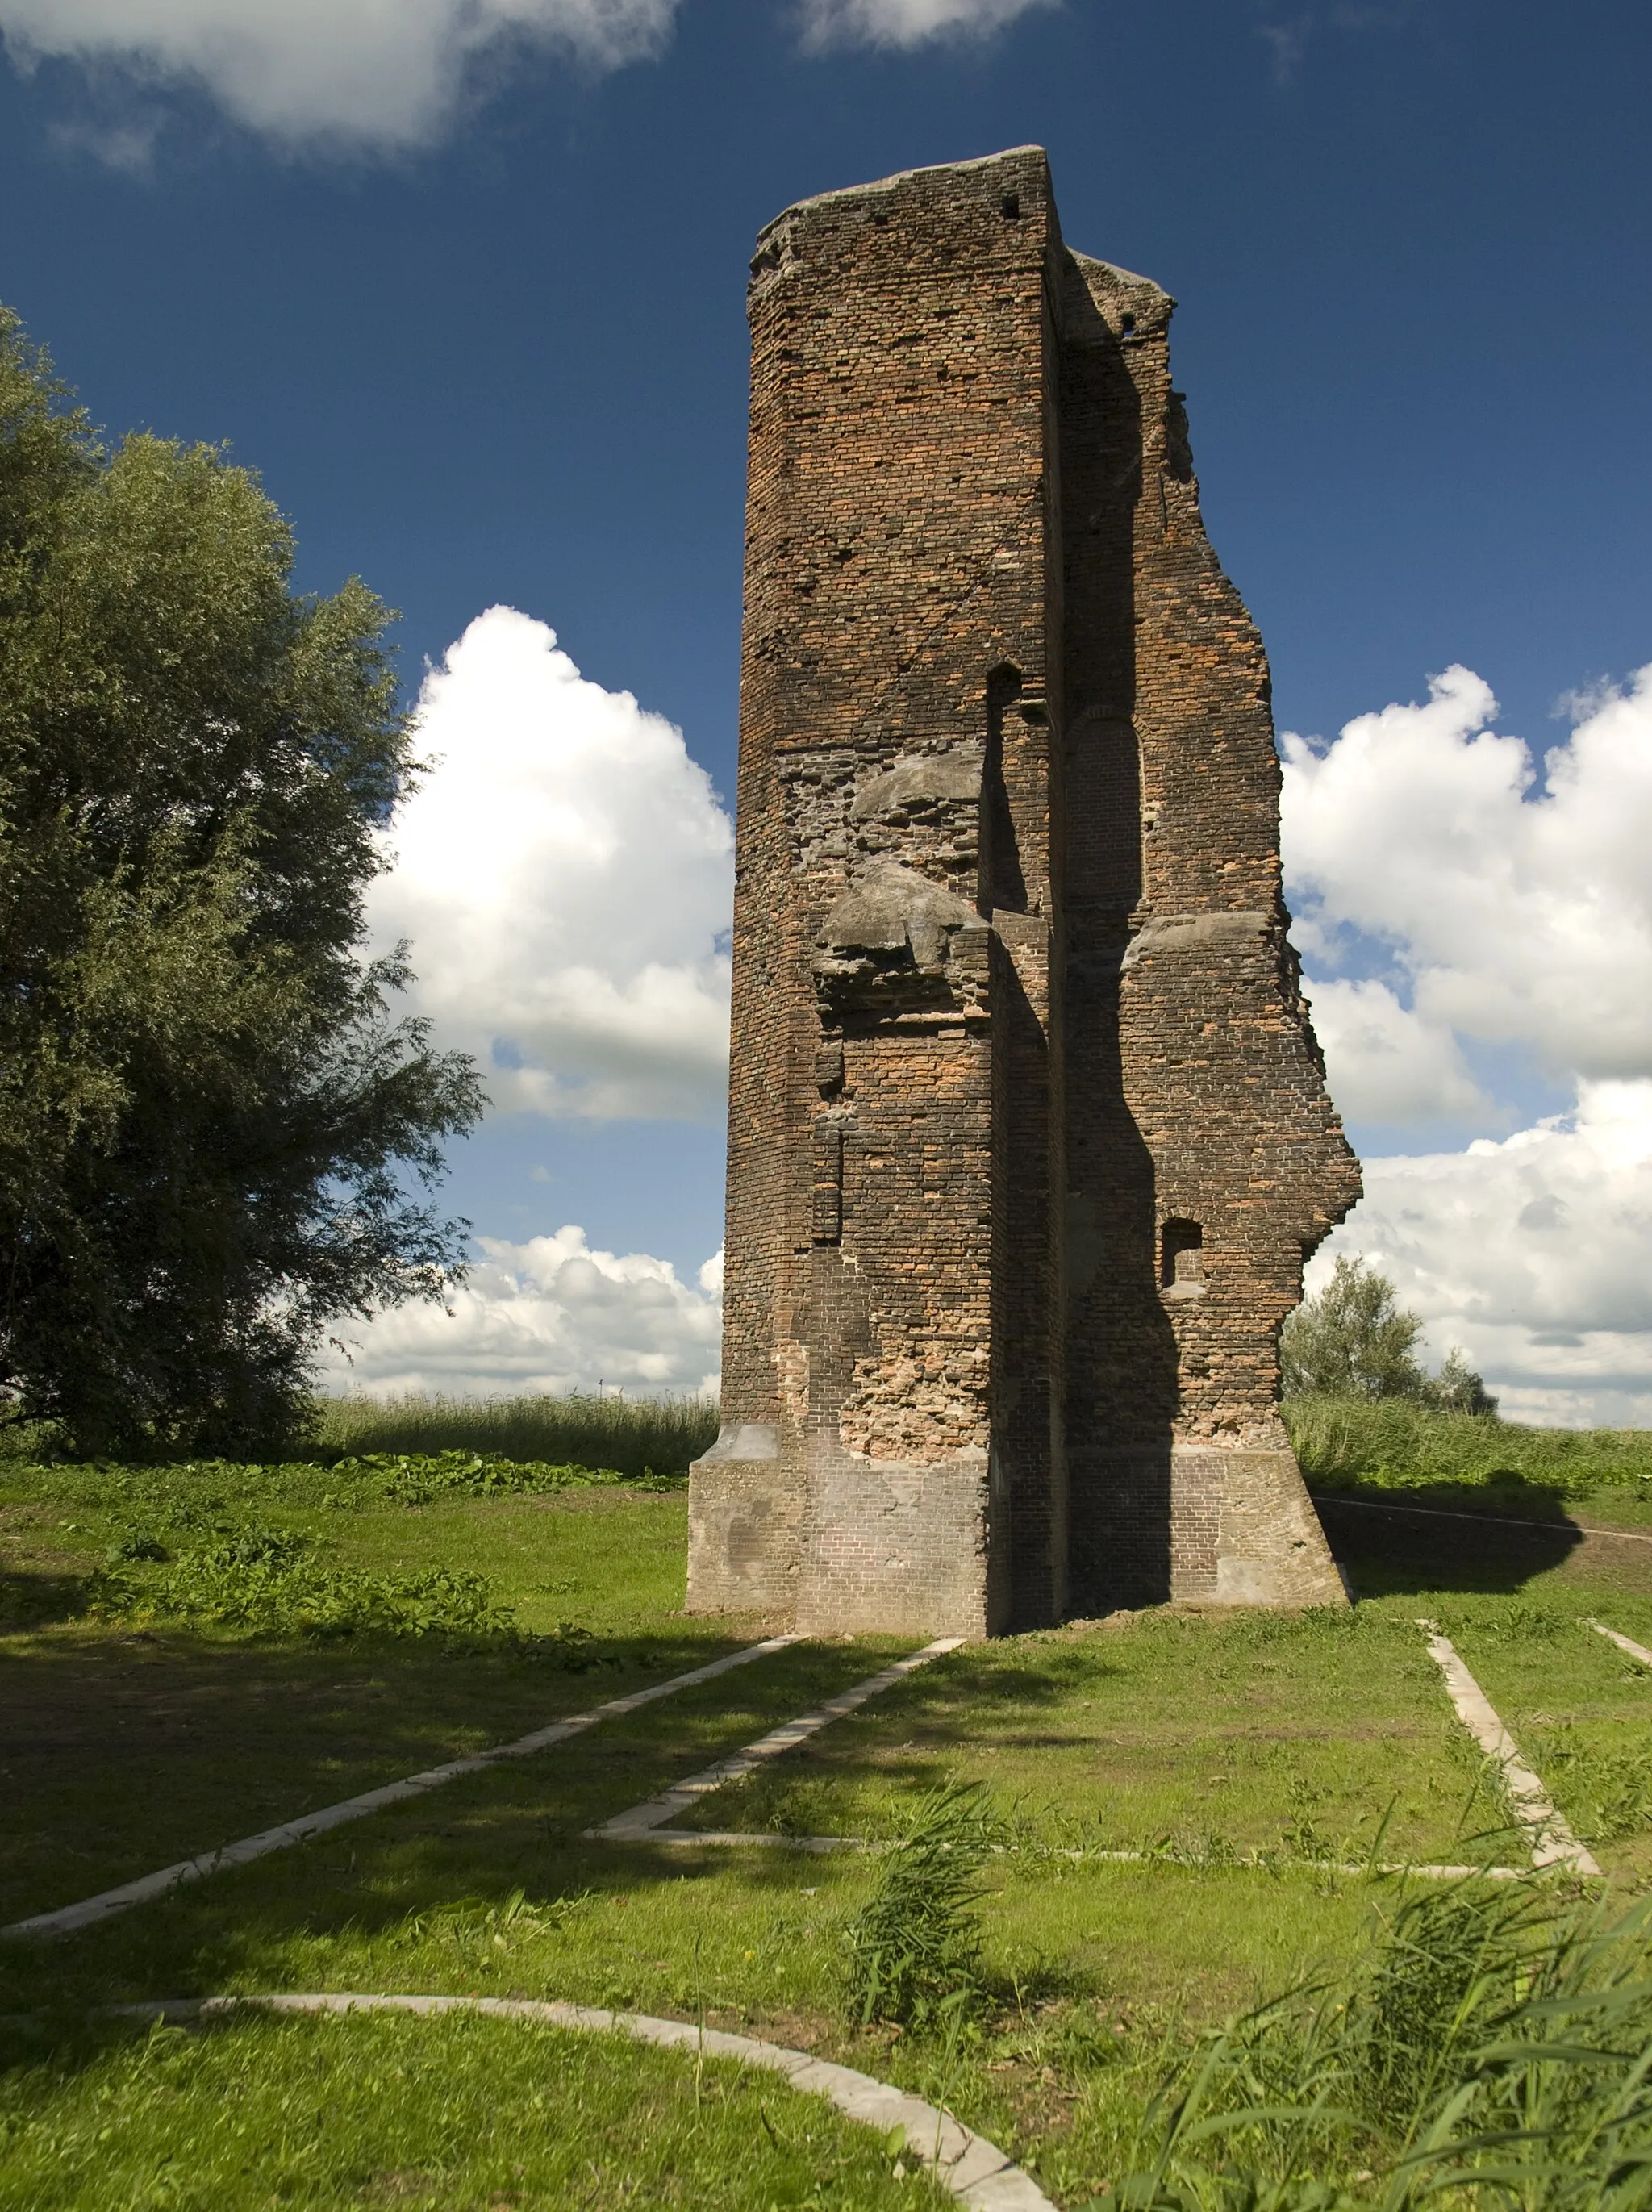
column 464, row 2113
column 1247, row 1763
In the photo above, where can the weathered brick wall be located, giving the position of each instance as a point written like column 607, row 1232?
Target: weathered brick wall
column 1203, row 1114
column 1016, row 1030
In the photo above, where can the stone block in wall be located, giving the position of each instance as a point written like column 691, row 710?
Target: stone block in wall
column 905, row 1549
column 745, row 1519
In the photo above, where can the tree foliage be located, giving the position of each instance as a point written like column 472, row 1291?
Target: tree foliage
column 216, row 1140
column 1354, row 1340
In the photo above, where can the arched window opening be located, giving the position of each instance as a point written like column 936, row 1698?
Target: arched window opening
column 1181, row 1257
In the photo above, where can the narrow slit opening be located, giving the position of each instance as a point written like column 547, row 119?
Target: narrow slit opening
column 1182, row 1263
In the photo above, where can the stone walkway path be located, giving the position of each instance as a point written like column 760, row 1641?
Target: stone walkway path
column 1553, row 1843
column 1636, row 1651
column 128, row 1894
column 647, row 1823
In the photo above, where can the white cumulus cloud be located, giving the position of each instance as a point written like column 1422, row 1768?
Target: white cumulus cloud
column 1513, row 918
column 547, row 1315
column 1388, row 1064
column 376, row 72
column 381, row 76
column 1531, row 1253
column 565, row 875
column 900, row 23
column 1510, row 911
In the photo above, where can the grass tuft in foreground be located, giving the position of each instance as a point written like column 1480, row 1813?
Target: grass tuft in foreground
column 915, row 1944
column 1494, row 2048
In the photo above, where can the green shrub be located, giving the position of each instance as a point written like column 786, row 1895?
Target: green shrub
column 266, row 1581
column 1396, row 1443
column 915, row 1947
column 417, row 1478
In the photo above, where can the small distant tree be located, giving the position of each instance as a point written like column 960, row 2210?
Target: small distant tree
column 1458, row 1389
column 213, row 1130
column 1355, row 1341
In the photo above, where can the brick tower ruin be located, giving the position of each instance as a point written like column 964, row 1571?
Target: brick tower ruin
column 1029, row 1135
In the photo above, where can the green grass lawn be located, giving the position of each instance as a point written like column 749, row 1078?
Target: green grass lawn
column 128, row 1747
column 1201, row 1738
column 1198, row 1740
column 458, row 2112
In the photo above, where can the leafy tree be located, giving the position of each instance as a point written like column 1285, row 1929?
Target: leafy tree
column 1457, row 1388
column 216, row 1140
column 1354, row 1340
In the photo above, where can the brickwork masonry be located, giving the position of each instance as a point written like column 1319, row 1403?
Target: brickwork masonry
column 1028, row 1129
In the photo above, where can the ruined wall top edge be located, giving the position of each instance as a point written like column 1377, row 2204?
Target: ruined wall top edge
column 995, row 213
column 999, row 213
column 882, row 184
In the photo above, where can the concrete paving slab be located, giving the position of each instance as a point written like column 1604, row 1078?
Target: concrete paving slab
column 1553, row 1843
column 642, row 1823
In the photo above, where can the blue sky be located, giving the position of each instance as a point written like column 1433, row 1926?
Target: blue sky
column 477, row 316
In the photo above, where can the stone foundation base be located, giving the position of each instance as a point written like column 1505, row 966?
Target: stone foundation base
column 1204, row 1523
column 745, row 1521
column 1269, row 1547
column 812, row 1535
column 829, row 1542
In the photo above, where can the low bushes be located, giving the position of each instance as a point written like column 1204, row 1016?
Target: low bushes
column 637, row 1436
column 1396, row 1443
column 269, row 1581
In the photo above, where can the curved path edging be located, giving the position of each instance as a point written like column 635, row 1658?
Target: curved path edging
column 976, row 2171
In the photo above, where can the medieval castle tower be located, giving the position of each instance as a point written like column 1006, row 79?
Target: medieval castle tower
column 1029, row 1135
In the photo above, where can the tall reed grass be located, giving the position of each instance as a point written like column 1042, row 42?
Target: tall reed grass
column 915, row 1947
column 634, row 1436
column 1494, row 2049
column 1397, row 1443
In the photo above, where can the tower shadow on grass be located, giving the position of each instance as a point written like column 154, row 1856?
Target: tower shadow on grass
column 1443, row 1536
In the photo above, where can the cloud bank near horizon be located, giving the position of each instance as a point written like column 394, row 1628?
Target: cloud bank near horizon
column 381, row 77
column 1507, row 909
column 1531, row 1253
column 549, row 1314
